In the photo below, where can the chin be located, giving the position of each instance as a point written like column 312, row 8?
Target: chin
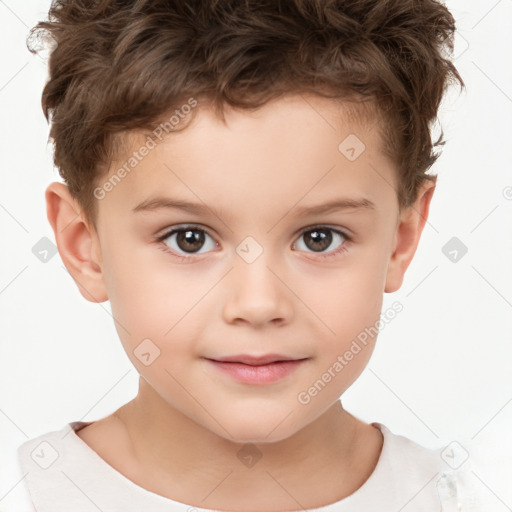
column 254, row 435
column 257, row 427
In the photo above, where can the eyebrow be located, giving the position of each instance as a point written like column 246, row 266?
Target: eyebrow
column 157, row 203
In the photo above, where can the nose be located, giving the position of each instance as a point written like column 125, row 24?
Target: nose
column 256, row 294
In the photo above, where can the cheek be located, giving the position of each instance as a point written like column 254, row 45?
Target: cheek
column 351, row 295
column 145, row 288
column 149, row 301
column 349, row 308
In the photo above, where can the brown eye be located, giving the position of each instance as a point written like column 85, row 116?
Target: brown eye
column 318, row 239
column 186, row 240
column 190, row 240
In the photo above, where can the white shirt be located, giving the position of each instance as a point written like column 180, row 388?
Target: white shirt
column 63, row 474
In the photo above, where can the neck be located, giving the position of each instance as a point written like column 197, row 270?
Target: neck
column 175, row 457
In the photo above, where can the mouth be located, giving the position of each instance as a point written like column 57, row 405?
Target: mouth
column 256, row 370
column 256, row 360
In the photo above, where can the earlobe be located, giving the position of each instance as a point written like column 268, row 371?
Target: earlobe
column 407, row 237
column 77, row 243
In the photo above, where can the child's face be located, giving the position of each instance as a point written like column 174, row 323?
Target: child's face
column 303, row 297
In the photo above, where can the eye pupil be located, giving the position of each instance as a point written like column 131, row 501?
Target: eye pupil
column 190, row 237
column 322, row 239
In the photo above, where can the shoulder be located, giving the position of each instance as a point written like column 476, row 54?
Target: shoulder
column 39, row 459
column 44, row 450
column 81, row 455
column 77, row 440
column 427, row 475
column 50, row 464
column 407, row 452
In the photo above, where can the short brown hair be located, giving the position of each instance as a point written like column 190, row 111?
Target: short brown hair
column 120, row 66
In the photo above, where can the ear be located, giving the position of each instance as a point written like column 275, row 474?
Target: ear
column 77, row 242
column 411, row 224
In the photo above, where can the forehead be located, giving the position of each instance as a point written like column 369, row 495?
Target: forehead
column 292, row 150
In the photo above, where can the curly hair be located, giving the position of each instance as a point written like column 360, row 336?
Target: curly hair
column 121, row 65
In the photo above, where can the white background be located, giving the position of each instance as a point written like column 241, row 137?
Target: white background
column 442, row 372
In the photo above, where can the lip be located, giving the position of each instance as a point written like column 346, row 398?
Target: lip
column 257, row 370
column 255, row 360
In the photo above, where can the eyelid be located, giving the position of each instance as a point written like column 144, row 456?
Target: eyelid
column 181, row 227
column 344, row 231
column 168, row 231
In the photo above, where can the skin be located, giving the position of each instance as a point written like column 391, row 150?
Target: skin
column 180, row 435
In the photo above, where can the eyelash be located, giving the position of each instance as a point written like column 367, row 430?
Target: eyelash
column 321, row 256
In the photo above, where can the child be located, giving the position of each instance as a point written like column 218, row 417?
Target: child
column 252, row 130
